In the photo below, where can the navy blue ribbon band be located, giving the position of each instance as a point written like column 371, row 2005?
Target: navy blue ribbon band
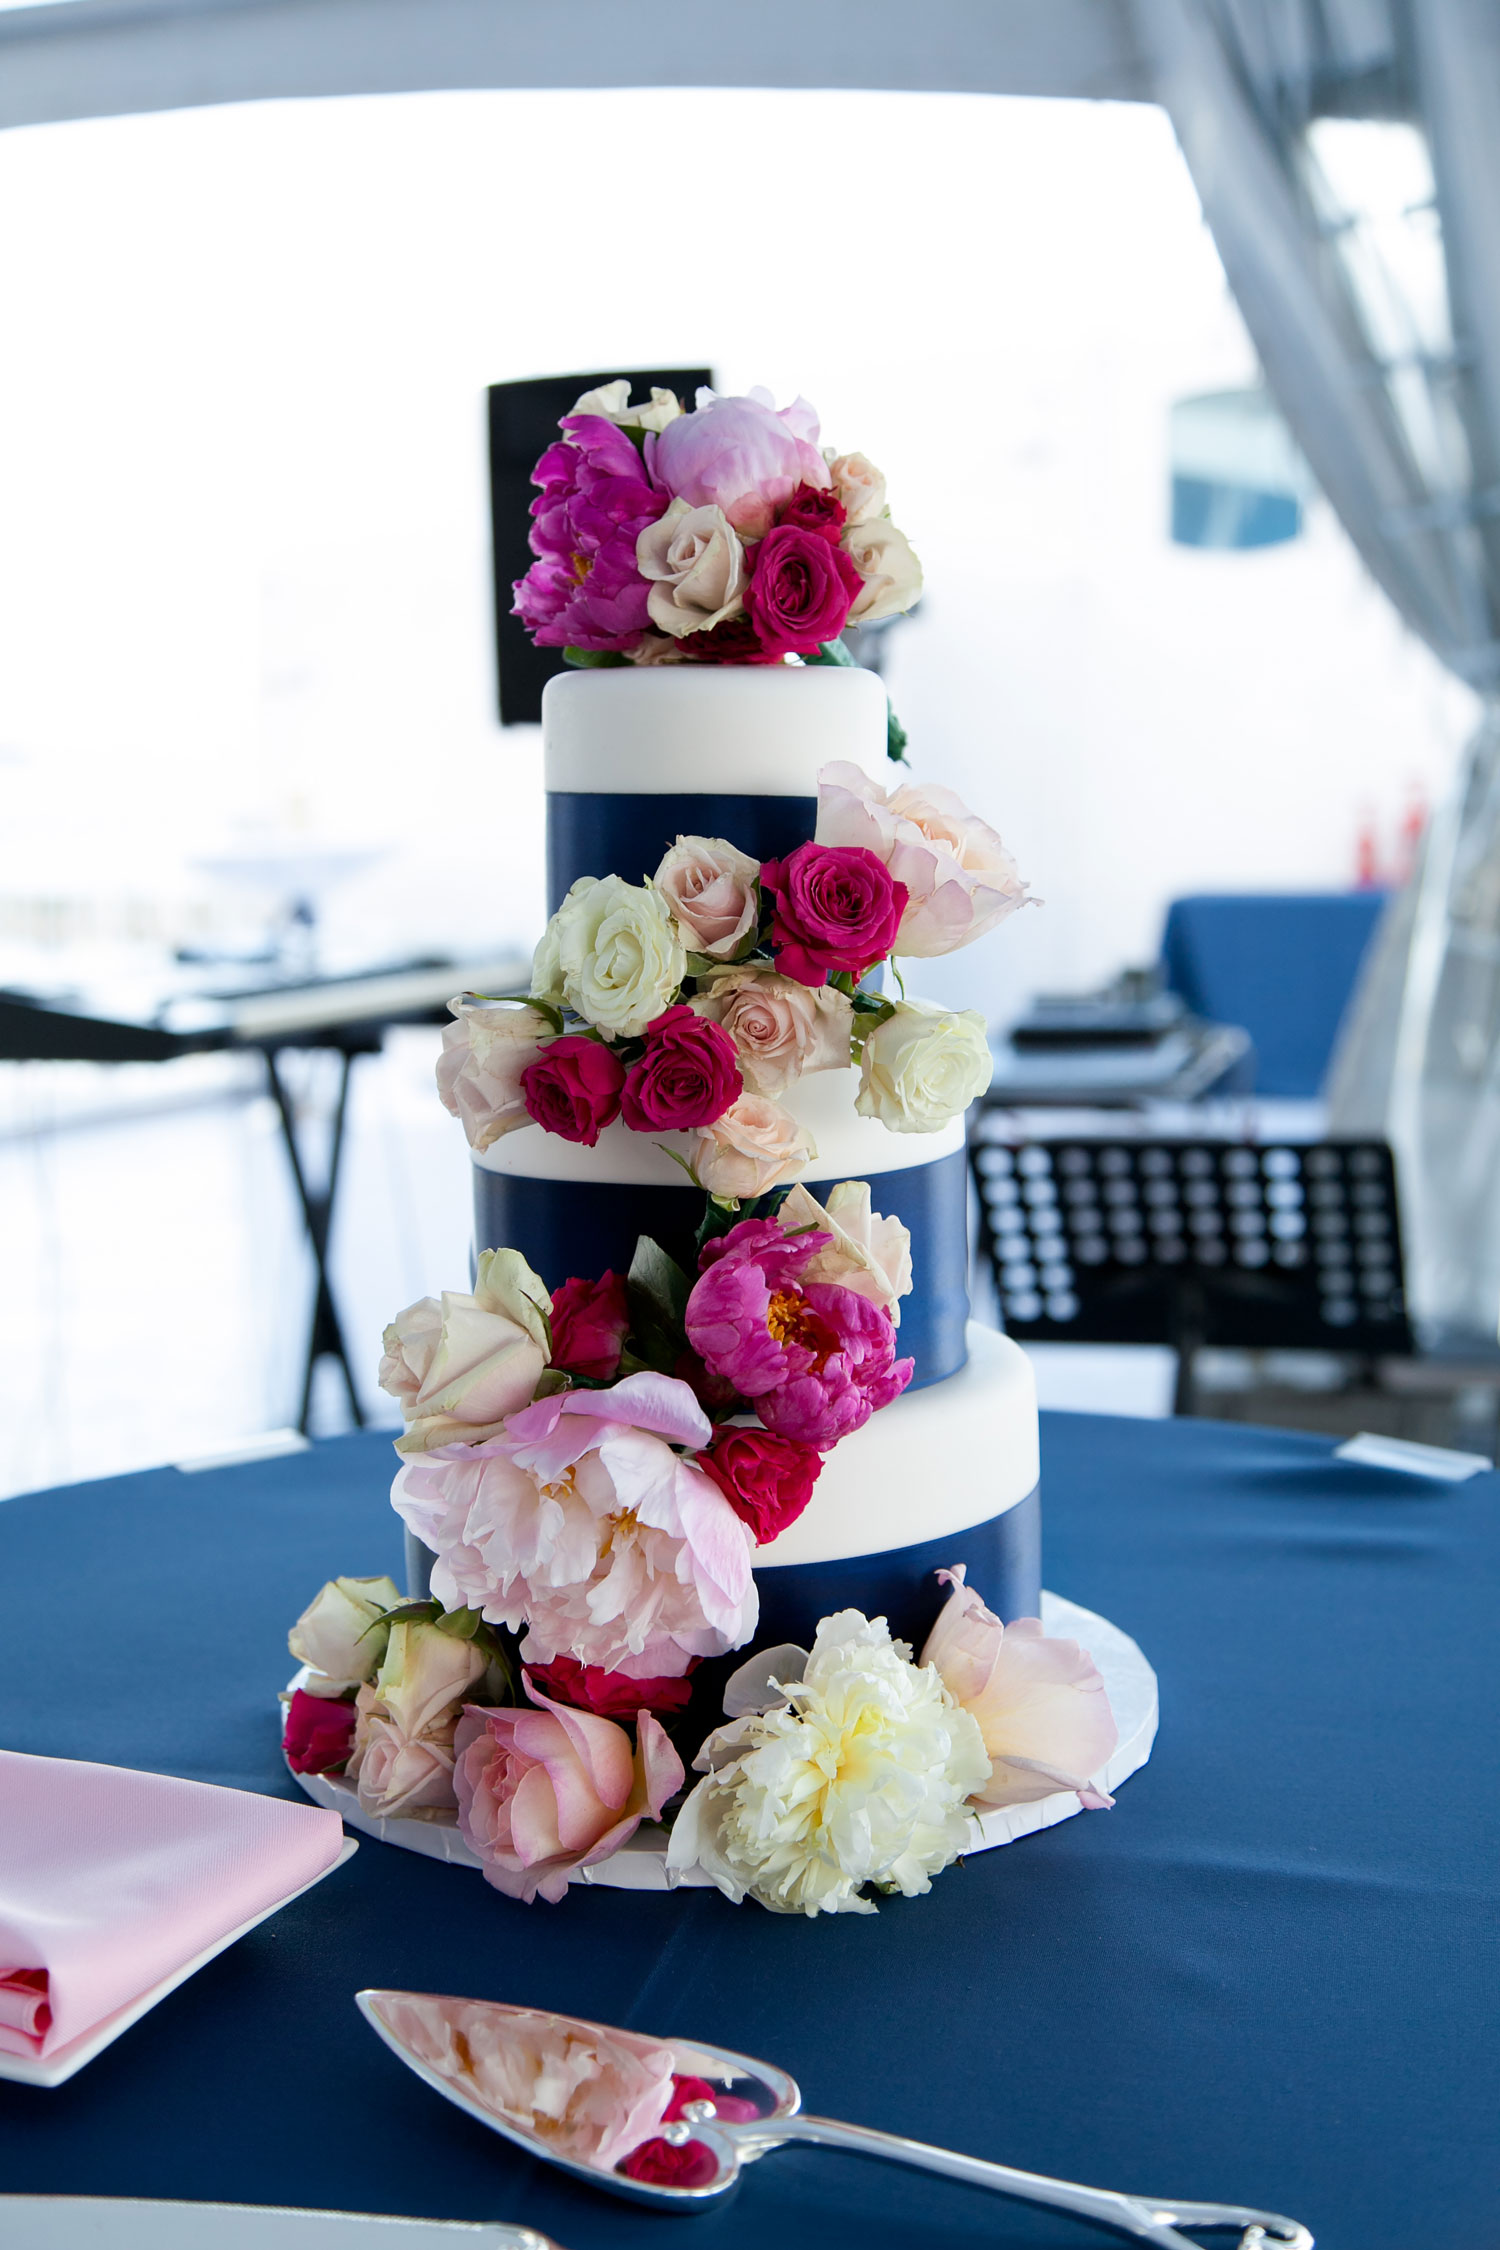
column 603, row 833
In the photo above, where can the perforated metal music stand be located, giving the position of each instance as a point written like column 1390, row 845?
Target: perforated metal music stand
column 1274, row 1246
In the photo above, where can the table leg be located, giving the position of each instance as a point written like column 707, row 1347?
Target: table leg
column 326, row 1338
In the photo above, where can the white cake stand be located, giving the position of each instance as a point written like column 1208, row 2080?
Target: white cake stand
column 641, row 1865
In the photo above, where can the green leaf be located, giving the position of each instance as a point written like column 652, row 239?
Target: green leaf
column 405, row 1613
column 553, row 1014
column 834, row 652
column 461, row 1624
column 678, row 1158
column 593, row 659
column 657, row 1291
column 895, row 735
column 873, row 1004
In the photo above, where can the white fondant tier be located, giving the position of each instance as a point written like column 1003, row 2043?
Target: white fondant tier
column 932, row 1465
column 681, row 730
column 849, row 1147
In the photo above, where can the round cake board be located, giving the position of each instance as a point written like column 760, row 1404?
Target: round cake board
column 641, row 1864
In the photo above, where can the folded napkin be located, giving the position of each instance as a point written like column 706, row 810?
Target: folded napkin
column 111, row 1880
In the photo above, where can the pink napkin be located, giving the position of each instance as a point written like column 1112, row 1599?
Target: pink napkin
column 110, row 1880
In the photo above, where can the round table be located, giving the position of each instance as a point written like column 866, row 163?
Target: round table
column 1269, row 1976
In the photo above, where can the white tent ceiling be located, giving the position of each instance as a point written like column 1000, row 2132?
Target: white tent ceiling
column 101, row 58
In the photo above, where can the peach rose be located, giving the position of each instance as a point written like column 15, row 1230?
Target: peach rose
column 780, row 1027
column 460, row 1364
column 756, row 1145
column 479, row 1069
column 858, row 484
column 960, row 879
column 869, row 1254
column 711, row 888
column 1040, row 1704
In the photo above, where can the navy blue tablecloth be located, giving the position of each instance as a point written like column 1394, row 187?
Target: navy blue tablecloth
column 1269, row 1975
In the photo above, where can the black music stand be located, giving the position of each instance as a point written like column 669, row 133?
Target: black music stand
column 1193, row 1242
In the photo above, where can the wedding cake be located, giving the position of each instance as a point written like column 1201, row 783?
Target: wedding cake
column 709, row 1466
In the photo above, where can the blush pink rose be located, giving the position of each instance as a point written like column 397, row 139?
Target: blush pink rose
column 960, row 880
column 573, row 1088
column 687, row 1077
column 711, row 888
column 479, row 1070
column 1040, row 1704
column 739, row 454
column 779, row 1026
column 543, row 1792
column 754, row 1146
column 837, row 909
column 590, row 1321
column 802, row 588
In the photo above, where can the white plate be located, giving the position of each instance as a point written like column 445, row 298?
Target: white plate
column 54, row 2069
column 103, row 2222
column 641, row 1864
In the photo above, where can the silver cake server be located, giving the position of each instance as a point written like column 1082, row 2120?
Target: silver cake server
column 484, row 2056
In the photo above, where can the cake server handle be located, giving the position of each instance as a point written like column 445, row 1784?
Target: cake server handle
column 1147, row 2218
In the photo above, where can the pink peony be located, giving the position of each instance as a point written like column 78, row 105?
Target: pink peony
column 959, row 878
column 767, row 1480
column 687, row 1077
column 584, row 589
column 1040, row 1704
column 836, row 910
column 816, row 1360
column 610, row 1694
column 802, row 588
column 590, row 1321
column 318, row 1734
column 741, row 455
column 573, row 1088
column 580, row 1523
column 543, row 1792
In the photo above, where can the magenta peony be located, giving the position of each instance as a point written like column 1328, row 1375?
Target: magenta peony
column 573, row 1088
column 815, row 1360
column 611, row 1695
column 837, row 908
column 802, row 588
column 318, row 1734
column 741, row 455
column 590, row 1321
column 687, row 1077
column 584, row 589
column 542, row 1792
column 766, row 1479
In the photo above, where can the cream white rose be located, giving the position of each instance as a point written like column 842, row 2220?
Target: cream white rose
column 780, row 1028
column 885, row 560
column 619, row 958
column 333, row 1637
column 960, row 879
column 923, row 1066
column 711, row 888
column 546, row 962
column 869, row 1254
column 696, row 563
column 756, row 1145
column 479, row 1069
column 858, row 483
column 425, row 1675
column 460, row 1364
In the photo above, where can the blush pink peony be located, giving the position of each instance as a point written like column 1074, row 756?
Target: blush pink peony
column 959, row 879
column 543, row 1792
column 741, row 455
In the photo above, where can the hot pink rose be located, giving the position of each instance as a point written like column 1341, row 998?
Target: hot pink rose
column 815, row 1360
column 741, row 455
column 590, row 1321
column 802, row 588
column 688, row 1076
column 766, row 1479
column 542, row 1792
column 837, row 908
column 610, row 1694
column 573, row 1088
column 318, row 1733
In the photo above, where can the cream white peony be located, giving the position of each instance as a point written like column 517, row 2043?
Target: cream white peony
column 755, row 1146
column 333, row 1637
column 860, row 1777
column 780, row 1028
column 459, row 1364
column 886, row 562
column 612, row 953
column 695, row 563
column 923, row 1066
column 869, row 1254
column 479, row 1069
column 711, row 887
column 960, row 879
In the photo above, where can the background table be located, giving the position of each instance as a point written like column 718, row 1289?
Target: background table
column 1269, row 1975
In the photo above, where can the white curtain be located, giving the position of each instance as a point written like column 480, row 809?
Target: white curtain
column 1380, row 335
